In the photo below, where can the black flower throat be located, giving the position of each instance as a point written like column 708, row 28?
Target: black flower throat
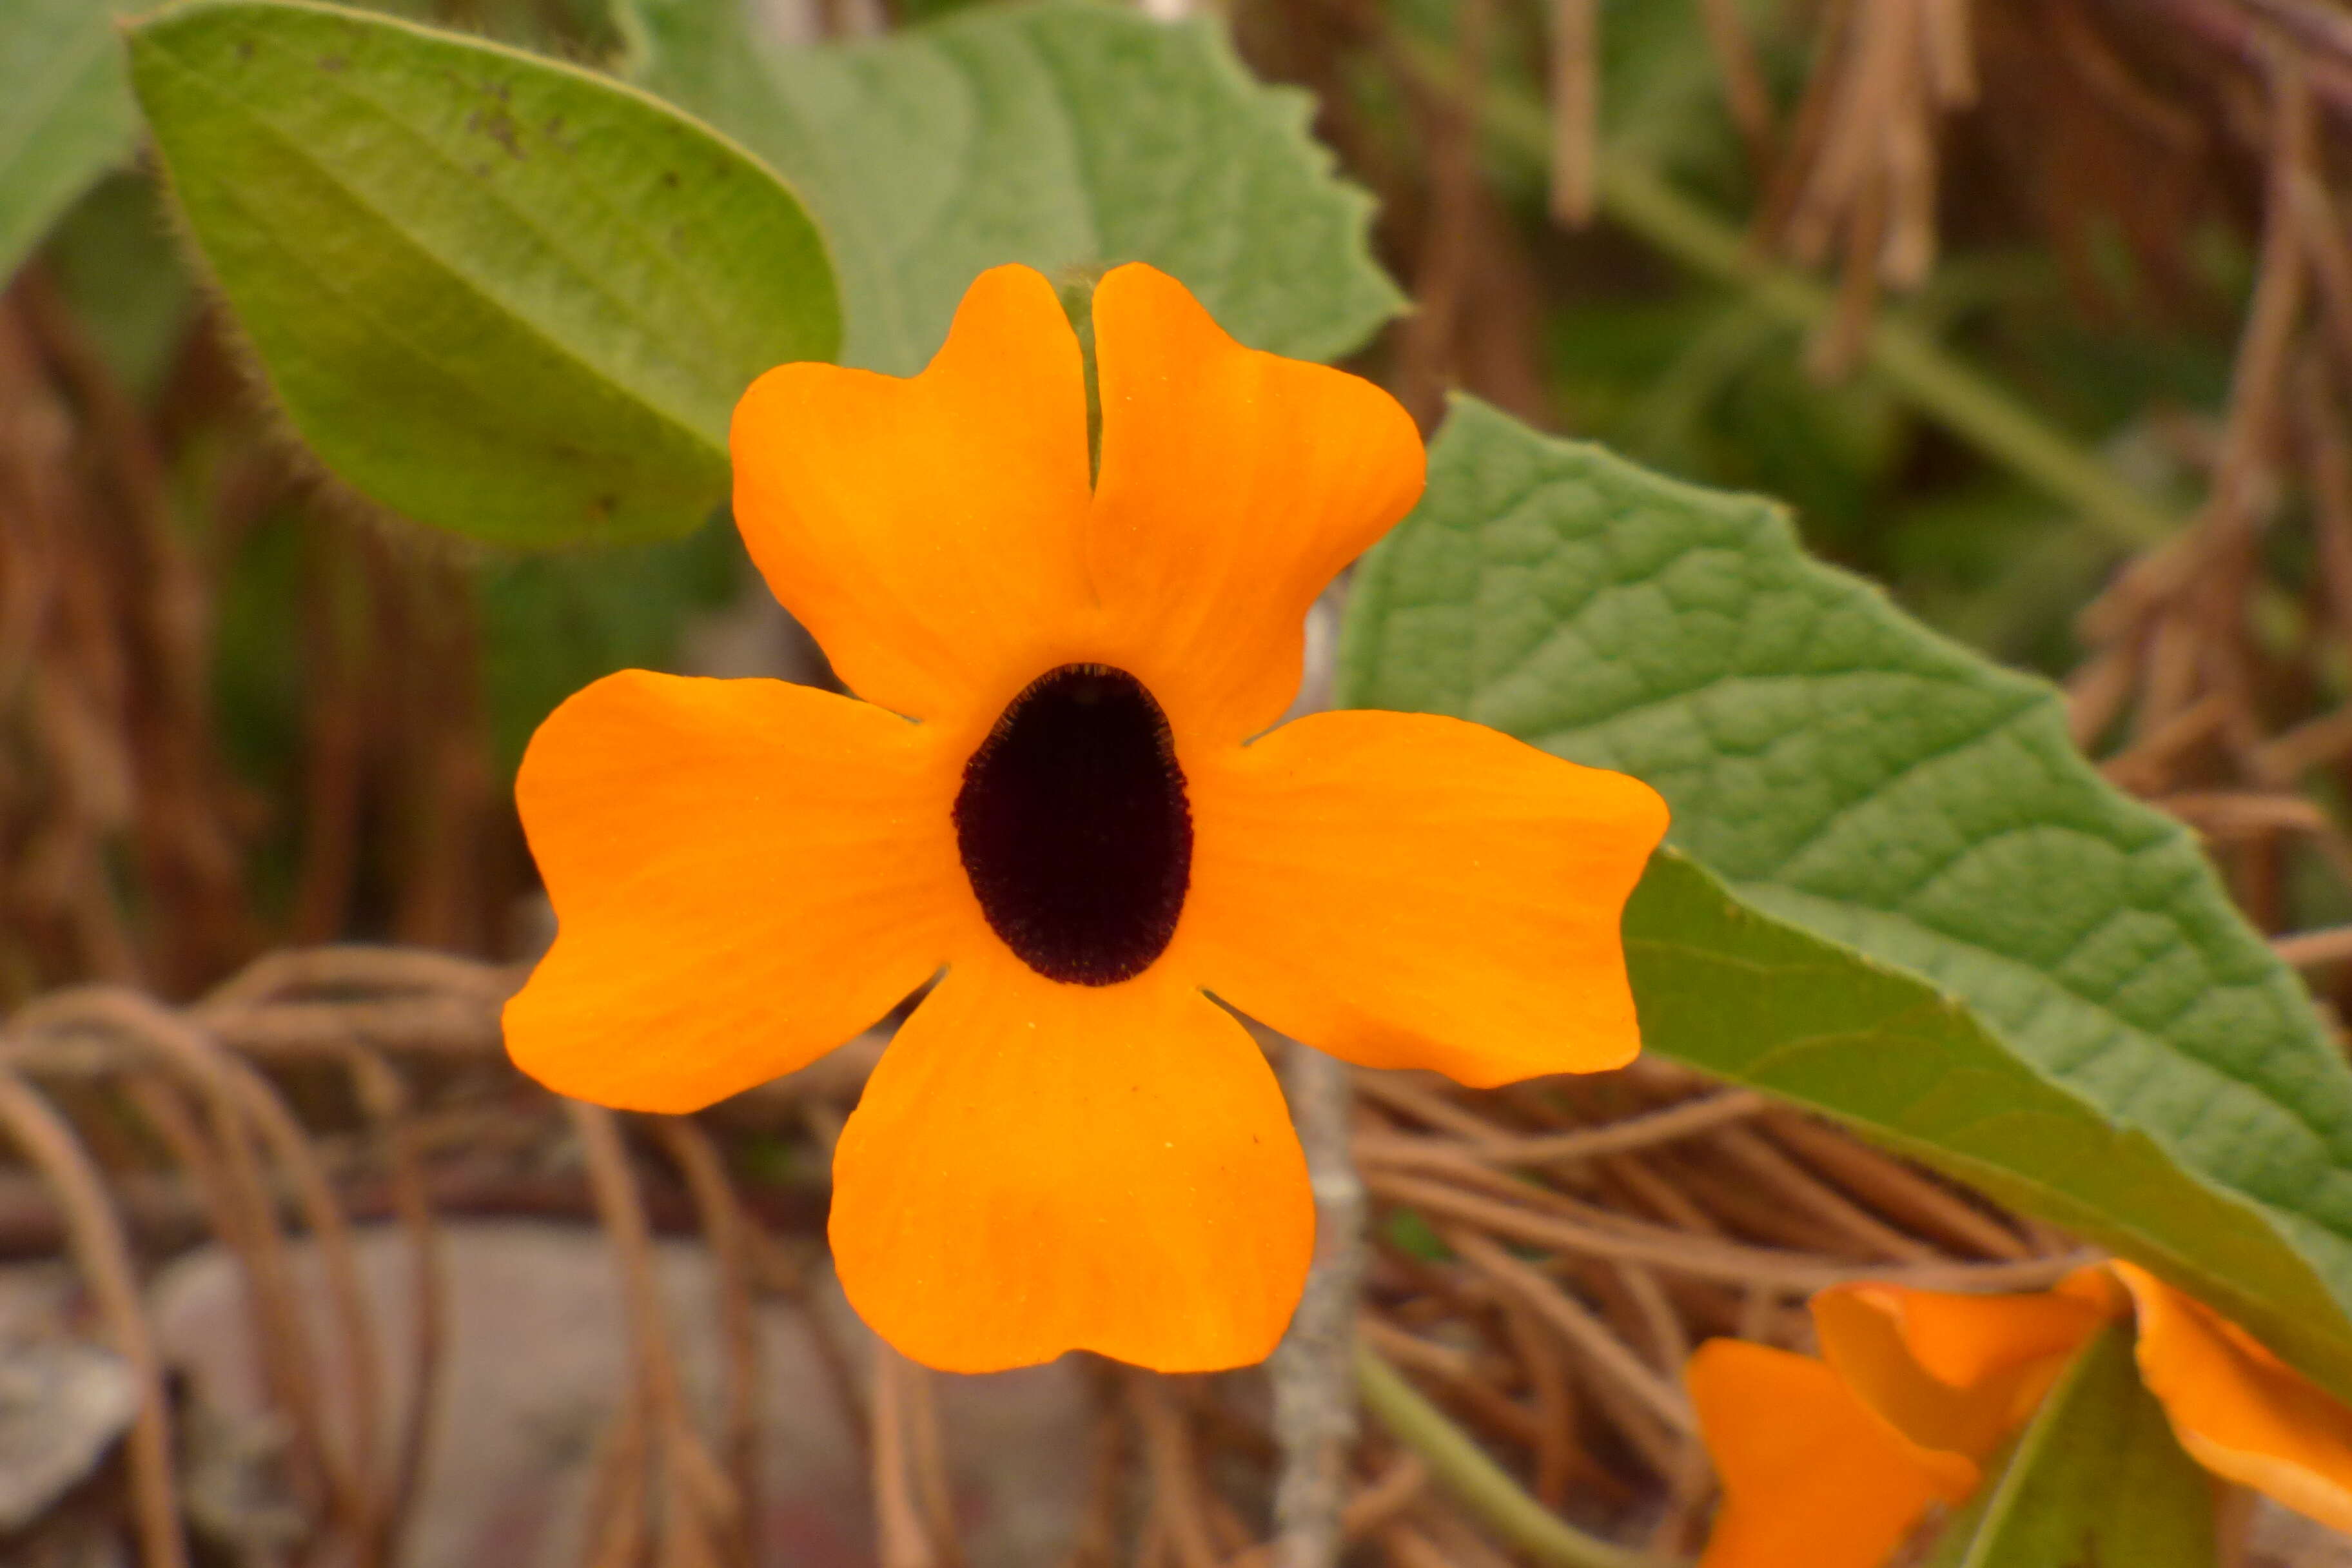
column 1074, row 827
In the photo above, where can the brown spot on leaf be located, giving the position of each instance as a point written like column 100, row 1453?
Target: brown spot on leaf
column 499, row 127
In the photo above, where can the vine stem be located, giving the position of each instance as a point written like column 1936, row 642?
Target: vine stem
column 1465, row 1469
column 1314, row 1398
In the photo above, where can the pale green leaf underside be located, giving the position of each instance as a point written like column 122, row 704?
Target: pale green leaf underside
column 1853, row 774
column 2096, row 1479
column 1064, row 135
column 494, row 293
column 66, row 114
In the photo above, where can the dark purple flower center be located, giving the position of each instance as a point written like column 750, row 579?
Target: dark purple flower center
column 1075, row 828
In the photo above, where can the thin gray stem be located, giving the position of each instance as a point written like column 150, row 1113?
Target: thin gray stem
column 1314, row 1367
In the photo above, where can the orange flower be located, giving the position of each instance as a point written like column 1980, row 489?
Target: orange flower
column 1088, row 824
column 1832, row 1463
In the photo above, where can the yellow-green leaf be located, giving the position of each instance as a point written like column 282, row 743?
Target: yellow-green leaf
column 493, row 292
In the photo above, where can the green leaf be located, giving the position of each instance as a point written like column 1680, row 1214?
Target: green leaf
column 114, row 259
column 1850, row 774
column 66, row 114
column 1760, row 1002
column 1064, row 135
column 551, row 623
column 495, row 293
column 2097, row 1479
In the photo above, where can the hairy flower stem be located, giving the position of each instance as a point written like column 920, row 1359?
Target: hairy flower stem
column 1313, row 1368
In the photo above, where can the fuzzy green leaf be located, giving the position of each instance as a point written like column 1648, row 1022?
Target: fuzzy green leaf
column 66, row 114
column 1760, row 1002
column 1065, row 135
column 1850, row 775
column 495, row 293
column 2096, row 1479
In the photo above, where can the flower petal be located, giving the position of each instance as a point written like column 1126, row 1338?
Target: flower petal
column 1038, row 1167
column 1403, row 890
column 1234, row 485
column 1811, row 1479
column 745, row 873
column 2016, row 1344
column 1958, row 1360
column 1964, row 1340
column 2239, row 1411
column 928, row 531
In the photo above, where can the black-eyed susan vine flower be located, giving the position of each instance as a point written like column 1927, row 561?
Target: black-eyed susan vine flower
column 1057, row 790
column 1831, row 1462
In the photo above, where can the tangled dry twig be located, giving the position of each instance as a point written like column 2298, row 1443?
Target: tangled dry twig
column 1542, row 1259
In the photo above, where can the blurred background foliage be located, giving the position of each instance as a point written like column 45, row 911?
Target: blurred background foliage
column 269, row 716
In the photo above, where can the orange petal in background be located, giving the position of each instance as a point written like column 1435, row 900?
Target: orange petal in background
column 928, row 531
column 1811, row 1478
column 1410, row 890
column 1951, row 1372
column 1964, row 1340
column 745, row 873
column 2238, row 1410
column 1036, row 1168
column 1234, row 485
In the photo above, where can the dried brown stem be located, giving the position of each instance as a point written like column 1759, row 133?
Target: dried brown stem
column 1391, row 1492
column 1588, row 1336
column 1776, row 1174
column 1682, row 1121
column 699, row 1508
column 1893, row 1188
column 1606, row 1235
column 1455, row 1371
column 1555, row 1405
column 247, row 1211
column 727, row 1227
column 384, row 1099
column 1095, row 1544
column 104, row 1256
column 1176, row 1486
column 927, row 1448
column 902, row 1541
column 1744, row 87
column 1575, row 109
